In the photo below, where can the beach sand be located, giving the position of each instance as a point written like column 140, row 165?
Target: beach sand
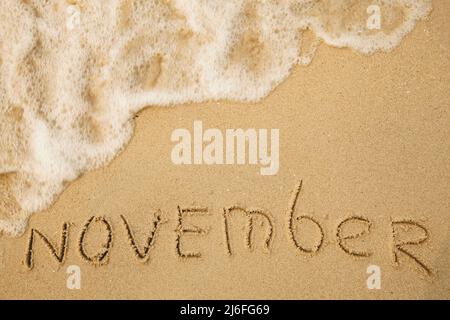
column 368, row 136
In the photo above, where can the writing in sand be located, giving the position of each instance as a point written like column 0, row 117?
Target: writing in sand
column 349, row 235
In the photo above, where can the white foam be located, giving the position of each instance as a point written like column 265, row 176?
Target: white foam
column 70, row 84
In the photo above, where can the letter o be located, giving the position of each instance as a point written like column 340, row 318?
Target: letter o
column 101, row 257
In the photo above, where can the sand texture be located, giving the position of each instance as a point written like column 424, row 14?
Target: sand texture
column 364, row 179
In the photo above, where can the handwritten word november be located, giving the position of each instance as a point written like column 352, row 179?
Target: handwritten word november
column 348, row 231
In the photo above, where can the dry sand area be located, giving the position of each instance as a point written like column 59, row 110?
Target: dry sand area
column 368, row 137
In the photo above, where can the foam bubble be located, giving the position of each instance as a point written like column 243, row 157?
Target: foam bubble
column 73, row 72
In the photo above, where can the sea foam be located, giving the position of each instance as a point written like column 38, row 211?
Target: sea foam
column 74, row 72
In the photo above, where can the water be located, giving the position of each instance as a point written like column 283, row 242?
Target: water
column 74, row 72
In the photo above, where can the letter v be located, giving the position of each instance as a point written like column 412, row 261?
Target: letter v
column 145, row 254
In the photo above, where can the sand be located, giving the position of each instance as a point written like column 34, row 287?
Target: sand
column 367, row 137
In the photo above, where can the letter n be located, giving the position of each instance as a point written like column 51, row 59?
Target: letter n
column 59, row 255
